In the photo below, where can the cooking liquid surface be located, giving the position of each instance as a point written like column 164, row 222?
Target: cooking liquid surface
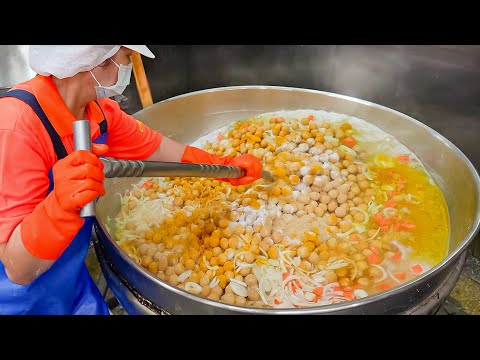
column 344, row 219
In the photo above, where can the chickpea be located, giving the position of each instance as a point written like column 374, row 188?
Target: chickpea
column 162, row 262
column 224, row 243
column 233, row 243
column 213, row 296
column 333, row 194
column 332, row 205
column 342, row 198
column 345, row 281
column 313, row 258
column 303, row 252
column 374, row 272
column 363, row 281
column 352, row 178
column 357, row 200
column 308, row 179
column 206, row 290
column 355, row 189
column 358, row 217
column 352, row 169
column 228, row 298
column 277, row 236
column 314, row 195
column 340, row 212
column 250, row 280
column 332, row 243
column 189, row 264
column 204, row 280
column 253, row 294
column 305, row 199
column 218, row 290
column 173, row 279
column 265, row 245
column 240, row 301
column 324, row 198
column 319, row 211
column 272, row 253
column 169, row 271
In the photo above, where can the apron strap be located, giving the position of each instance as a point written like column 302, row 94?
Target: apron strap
column 31, row 100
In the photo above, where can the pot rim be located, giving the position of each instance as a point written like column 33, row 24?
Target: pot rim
column 450, row 258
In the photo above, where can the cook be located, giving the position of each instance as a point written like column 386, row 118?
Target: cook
column 44, row 182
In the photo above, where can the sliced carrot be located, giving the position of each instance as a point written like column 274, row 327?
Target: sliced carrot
column 390, row 203
column 297, row 283
column 397, row 226
column 400, row 275
column 349, row 141
column 276, row 301
column 408, row 225
column 384, row 228
column 374, row 249
column 417, row 269
column 285, row 275
column 220, row 137
column 403, row 158
column 318, row 291
column 349, row 295
column 147, row 184
column 310, row 117
column 396, row 256
column 294, row 289
column 384, row 286
column 379, row 218
column 354, row 237
column 392, row 193
column 245, row 125
column 337, row 288
column 374, row 259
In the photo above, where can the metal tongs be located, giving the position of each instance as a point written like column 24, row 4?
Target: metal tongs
column 114, row 168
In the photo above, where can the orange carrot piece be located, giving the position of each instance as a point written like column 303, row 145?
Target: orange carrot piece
column 374, row 259
column 390, row 203
column 384, row 286
column 408, row 225
column 276, row 301
column 147, row 184
column 318, row 291
column 403, row 158
column 400, row 275
column 396, row 256
column 285, row 275
column 349, row 295
column 220, row 137
column 354, row 237
column 349, row 141
column 374, row 249
column 310, row 117
column 417, row 269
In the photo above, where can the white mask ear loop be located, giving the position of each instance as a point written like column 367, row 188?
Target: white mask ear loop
column 115, row 63
column 95, row 78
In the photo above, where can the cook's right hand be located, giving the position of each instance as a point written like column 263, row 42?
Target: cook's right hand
column 78, row 178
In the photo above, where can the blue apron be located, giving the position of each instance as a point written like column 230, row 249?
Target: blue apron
column 66, row 288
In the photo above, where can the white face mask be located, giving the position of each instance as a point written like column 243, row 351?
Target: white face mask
column 124, row 73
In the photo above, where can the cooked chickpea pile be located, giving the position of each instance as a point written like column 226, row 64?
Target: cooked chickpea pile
column 308, row 238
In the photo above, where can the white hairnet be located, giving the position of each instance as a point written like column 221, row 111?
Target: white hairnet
column 63, row 61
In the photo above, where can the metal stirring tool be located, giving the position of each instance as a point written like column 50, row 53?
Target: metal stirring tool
column 137, row 168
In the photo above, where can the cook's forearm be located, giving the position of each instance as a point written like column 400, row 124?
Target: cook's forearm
column 21, row 267
column 168, row 150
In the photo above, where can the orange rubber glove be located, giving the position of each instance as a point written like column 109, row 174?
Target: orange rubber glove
column 54, row 223
column 251, row 164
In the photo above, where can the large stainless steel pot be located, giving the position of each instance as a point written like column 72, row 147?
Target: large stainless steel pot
column 189, row 116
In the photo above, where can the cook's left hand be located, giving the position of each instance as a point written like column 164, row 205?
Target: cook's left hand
column 252, row 166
